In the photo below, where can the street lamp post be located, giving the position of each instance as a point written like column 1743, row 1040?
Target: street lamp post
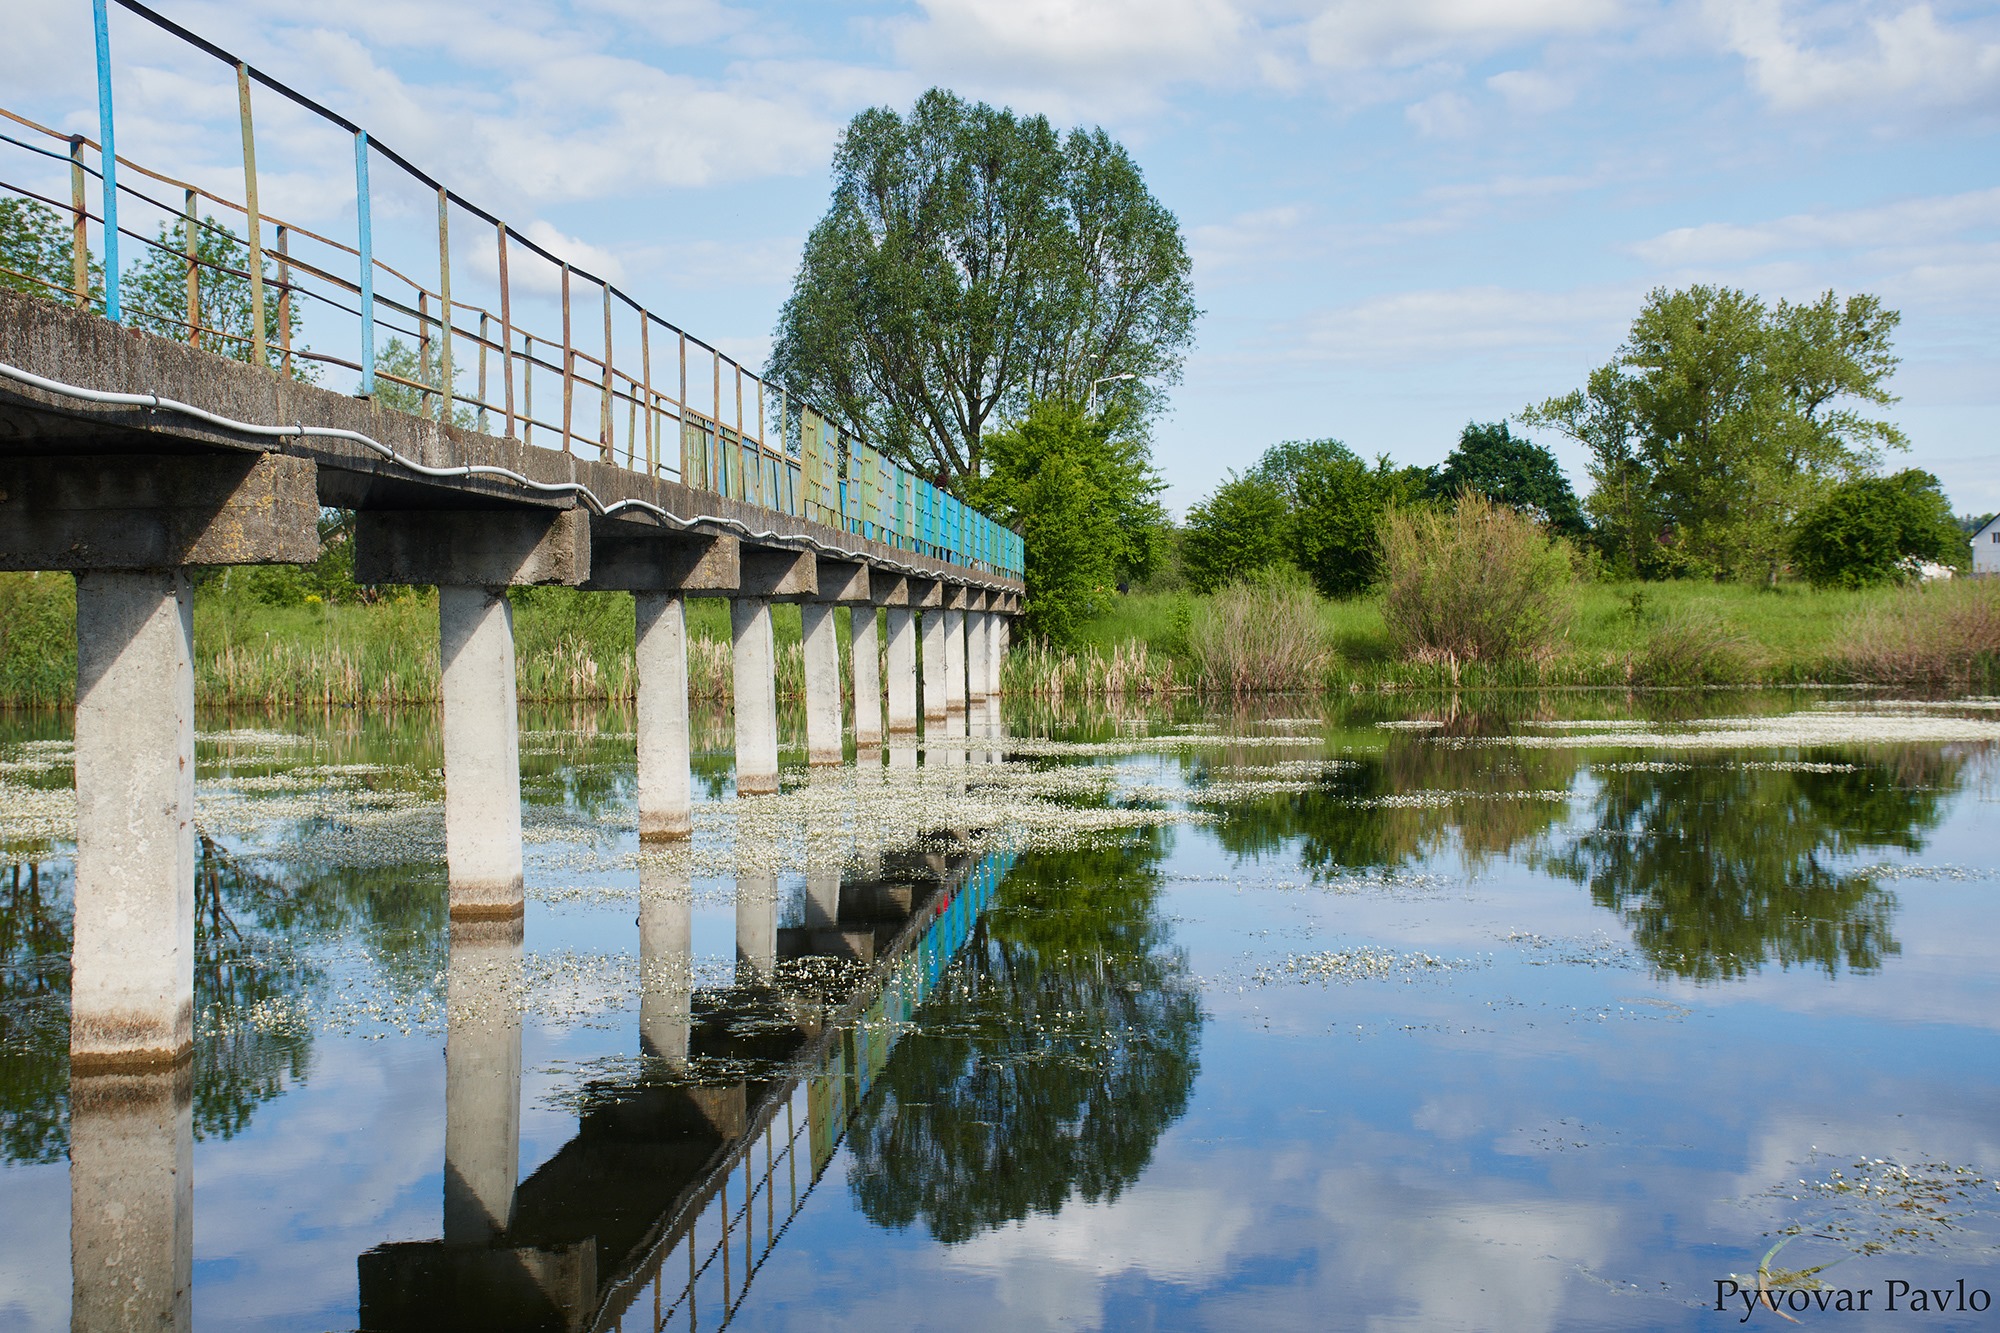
column 1106, row 380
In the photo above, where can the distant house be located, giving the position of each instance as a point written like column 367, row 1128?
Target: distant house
column 1986, row 549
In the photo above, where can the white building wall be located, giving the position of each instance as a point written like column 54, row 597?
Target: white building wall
column 1986, row 549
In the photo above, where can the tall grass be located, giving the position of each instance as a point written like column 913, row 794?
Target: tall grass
column 1257, row 637
column 1036, row 670
column 1929, row 636
column 1476, row 583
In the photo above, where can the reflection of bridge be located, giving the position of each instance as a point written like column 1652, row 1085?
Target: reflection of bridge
column 129, row 458
column 680, row 1179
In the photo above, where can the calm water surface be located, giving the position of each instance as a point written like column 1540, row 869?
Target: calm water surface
column 1510, row 1011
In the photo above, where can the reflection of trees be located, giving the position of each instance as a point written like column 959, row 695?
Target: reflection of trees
column 1353, row 819
column 1049, row 1061
column 1718, row 868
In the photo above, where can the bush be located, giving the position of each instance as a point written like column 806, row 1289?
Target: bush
column 37, row 638
column 1480, row 583
column 1930, row 635
column 1863, row 531
column 1263, row 635
column 1694, row 647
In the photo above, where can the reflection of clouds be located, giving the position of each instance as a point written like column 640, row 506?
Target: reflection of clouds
column 1051, row 1269
column 34, row 1246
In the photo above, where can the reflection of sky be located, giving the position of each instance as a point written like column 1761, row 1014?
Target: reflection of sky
column 1526, row 1141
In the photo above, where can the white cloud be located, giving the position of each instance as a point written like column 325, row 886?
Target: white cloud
column 1114, row 54
column 1904, row 59
column 1530, row 92
column 1257, row 237
column 1906, row 223
column 1408, row 328
column 1360, row 33
column 1445, row 115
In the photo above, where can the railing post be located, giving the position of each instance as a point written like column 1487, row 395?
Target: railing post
column 107, row 154
column 527, row 388
column 365, row 233
column 285, row 299
column 646, row 394
column 79, row 242
column 483, row 321
column 506, row 331
column 444, row 306
column 567, row 365
column 258, row 352
column 189, row 248
column 604, row 418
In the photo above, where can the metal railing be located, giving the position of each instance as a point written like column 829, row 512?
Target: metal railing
column 700, row 1272
column 692, row 414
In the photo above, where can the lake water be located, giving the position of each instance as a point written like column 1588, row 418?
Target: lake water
column 1503, row 1011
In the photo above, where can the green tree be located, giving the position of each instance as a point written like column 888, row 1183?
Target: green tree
column 36, row 254
column 1864, row 530
column 1084, row 495
column 1721, row 420
column 1238, row 532
column 973, row 262
column 155, row 292
column 1508, row 470
column 1336, row 504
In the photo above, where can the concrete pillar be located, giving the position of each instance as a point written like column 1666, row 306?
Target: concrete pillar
column 756, row 684
column 1003, row 629
column 902, row 669
column 954, row 659
column 822, row 654
column 482, row 1079
column 666, row 797
column 976, row 647
column 666, row 954
column 132, row 960
column 935, row 657
column 756, row 926
column 866, row 646
column 131, row 1190
column 482, row 751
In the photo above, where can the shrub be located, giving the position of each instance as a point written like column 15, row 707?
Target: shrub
column 1864, row 530
column 1480, row 583
column 1936, row 635
column 37, row 638
column 1263, row 635
column 1694, row 647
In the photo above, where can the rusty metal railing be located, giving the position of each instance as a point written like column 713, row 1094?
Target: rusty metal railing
column 636, row 389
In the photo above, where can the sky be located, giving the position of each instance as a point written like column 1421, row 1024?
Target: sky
column 1403, row 215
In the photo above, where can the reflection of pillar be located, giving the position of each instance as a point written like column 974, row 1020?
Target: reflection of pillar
column 131, row 1189
column 482, row 1079
column 822, row 662
column 132, row 963
column 868, row 833
column 482, row 751
column 756, row 686
column 902, row 754
column 935, row 657
column 954, row 659
column 824, row 855
column 865, row 643
column 902, row 669
column 666, row 954
column 666, row 808
column 756, row 920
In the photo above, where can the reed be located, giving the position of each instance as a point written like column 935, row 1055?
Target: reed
column 1929, row 636
column 1260, row 637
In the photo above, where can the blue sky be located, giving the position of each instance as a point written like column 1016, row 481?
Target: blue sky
column 1403, row 215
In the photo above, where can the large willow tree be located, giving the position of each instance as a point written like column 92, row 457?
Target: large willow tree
column 973, row 262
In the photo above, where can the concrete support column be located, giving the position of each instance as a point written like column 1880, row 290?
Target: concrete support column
column 822, row 654
column 482, row 1079
column 866, row 647
column 954, row 659
column 977, row 646
column 666, row 954
column 482, row 751
column 902, row 669
column 1003, row 631
column 132, row 960
column 131, row 1189
column 935, row 657
column 666, row 797
column 756, row 684
column 756, row 926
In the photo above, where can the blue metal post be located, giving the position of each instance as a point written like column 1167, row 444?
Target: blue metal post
column 108, row 155
column 367, row 248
